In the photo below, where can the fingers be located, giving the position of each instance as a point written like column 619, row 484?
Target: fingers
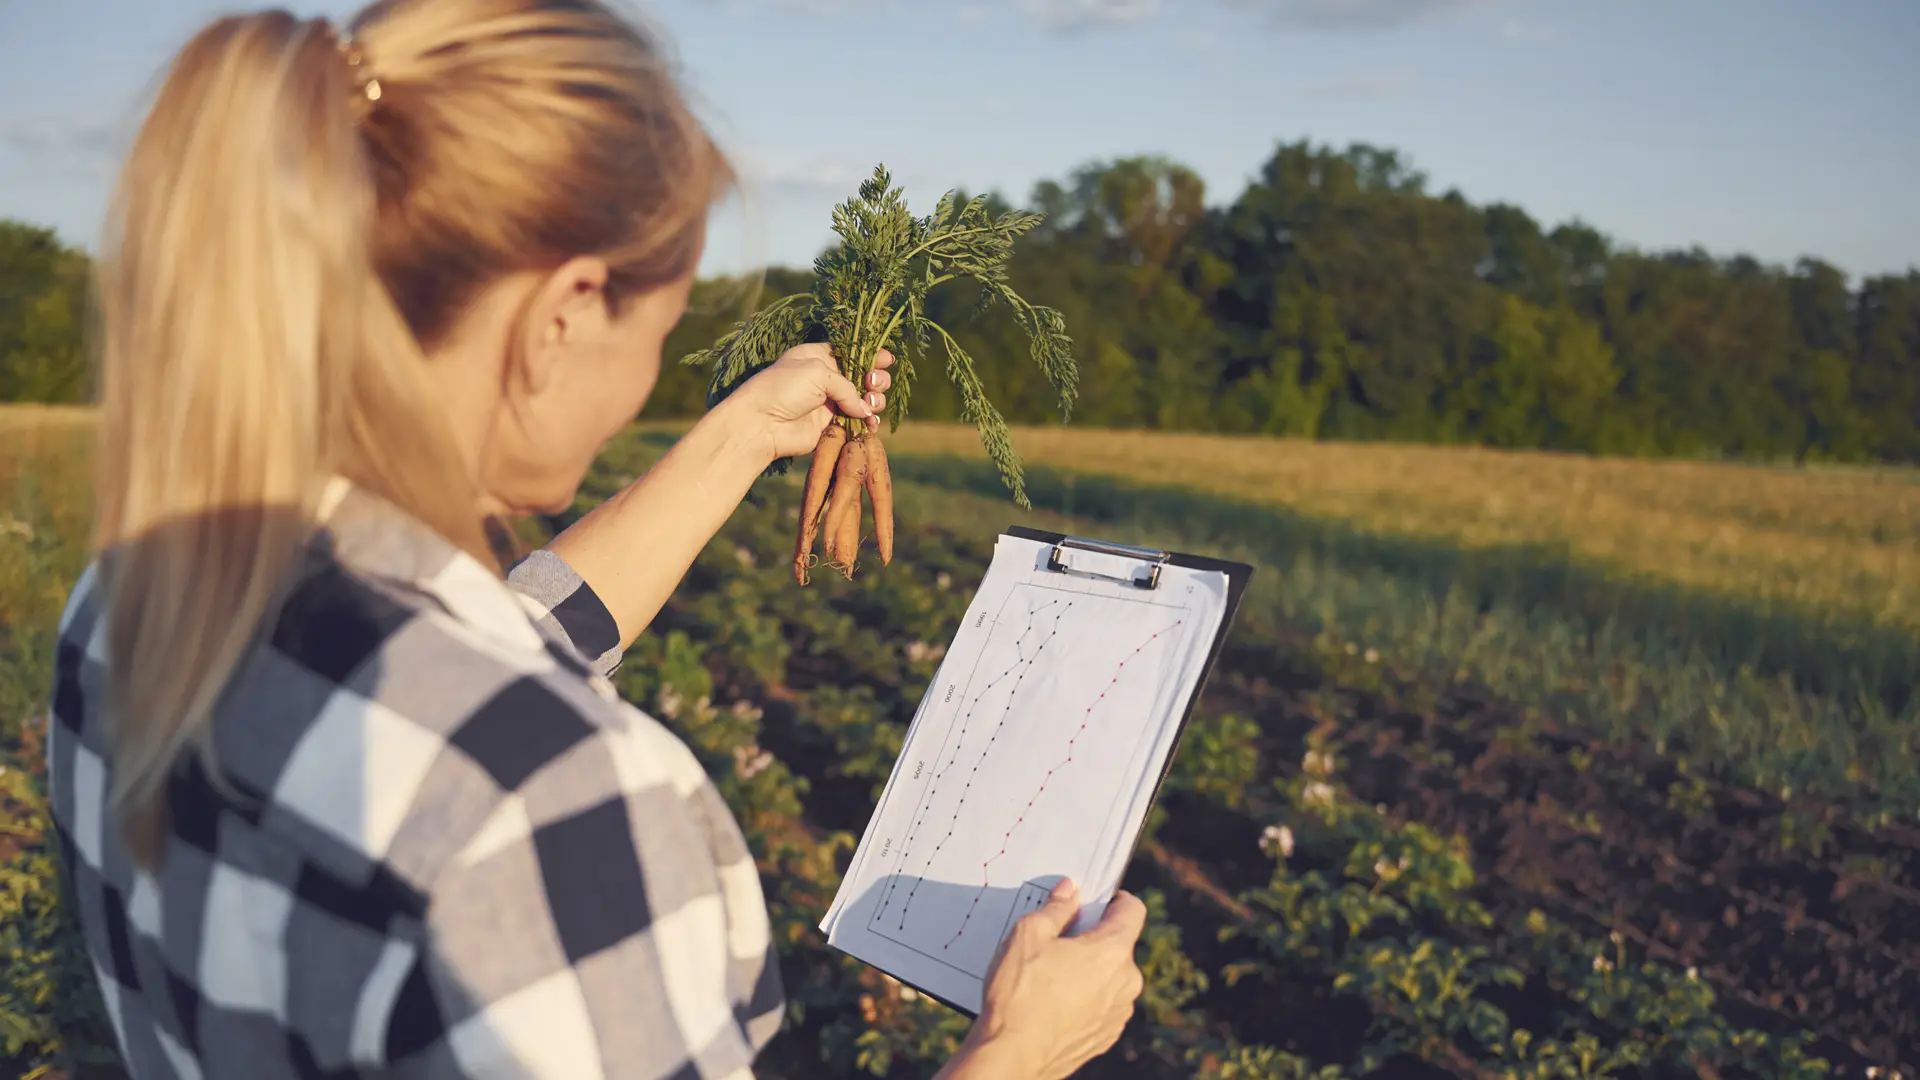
column 878, row 380
column 1053, row 917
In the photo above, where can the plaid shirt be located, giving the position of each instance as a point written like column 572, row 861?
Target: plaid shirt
column 448, row 848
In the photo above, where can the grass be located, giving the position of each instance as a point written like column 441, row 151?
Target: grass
column 1843, row 542
column 1836, row 542
column 44, row 520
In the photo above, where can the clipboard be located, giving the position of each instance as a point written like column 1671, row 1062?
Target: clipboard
column 1237, row 577
column 1145, row 575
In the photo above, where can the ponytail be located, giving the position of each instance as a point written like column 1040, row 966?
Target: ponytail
column 248, row 349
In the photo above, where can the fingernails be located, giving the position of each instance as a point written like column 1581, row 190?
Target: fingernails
column 1065, row 889
column 874, row 401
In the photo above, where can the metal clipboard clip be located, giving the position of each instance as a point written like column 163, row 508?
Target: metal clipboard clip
column 1143, row 577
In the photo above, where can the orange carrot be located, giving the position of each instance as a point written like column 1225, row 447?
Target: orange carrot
column 843, row 507
column 813, row 499
column 880, row 494
column 843, row 502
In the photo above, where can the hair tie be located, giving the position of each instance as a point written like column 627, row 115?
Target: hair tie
column 363, row 79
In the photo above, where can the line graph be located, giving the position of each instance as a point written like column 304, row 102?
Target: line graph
column 1022, row 661
column 1046, row 673
column 986, row 868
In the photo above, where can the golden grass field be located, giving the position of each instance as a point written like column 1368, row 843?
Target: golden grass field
column 1838, row 541
column 1834, row 541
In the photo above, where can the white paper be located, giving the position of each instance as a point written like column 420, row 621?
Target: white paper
column 1033, row 756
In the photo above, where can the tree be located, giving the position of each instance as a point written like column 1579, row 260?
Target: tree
column 43, row 303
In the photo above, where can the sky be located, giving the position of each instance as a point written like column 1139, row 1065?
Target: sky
column 1763, row 127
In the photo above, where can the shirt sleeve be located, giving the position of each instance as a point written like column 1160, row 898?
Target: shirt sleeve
column 563, row 602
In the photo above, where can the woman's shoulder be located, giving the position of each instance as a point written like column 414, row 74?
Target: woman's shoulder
column 399, row 726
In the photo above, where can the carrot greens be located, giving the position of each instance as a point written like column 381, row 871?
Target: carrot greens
column 870, row 292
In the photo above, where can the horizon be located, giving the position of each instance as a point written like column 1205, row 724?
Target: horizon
column 1770, row 130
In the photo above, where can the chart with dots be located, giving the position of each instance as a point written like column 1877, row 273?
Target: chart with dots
column 1033, row 756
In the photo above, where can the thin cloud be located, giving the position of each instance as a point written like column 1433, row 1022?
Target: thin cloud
column 43, row 137
column 1078, row 14
column 1074, row 15
column 819, row 7
column 787, row 175
column 1516, row 31
column 805, row 176
column 1198, row 38
column 1364, row 86
column 1351, row 14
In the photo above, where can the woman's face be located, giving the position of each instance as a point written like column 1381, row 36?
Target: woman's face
column 583, row 373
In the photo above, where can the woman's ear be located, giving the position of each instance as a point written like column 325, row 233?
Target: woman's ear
column 567, row 308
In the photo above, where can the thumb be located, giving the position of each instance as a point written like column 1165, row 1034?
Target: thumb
column 1123, row 920
column 845, row 396
column 1062, row 905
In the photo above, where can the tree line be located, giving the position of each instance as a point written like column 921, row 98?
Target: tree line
column 1335, row 297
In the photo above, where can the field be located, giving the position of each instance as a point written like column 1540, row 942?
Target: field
column 1516, row 764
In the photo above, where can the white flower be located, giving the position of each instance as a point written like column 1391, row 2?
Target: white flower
column 944, row 581
column 1277, row 838
column 908, row 993
column 669, row 702
column 1693, row 973
column 1872, row 1071
column 1385, row 870
column 1317, row 763
column 1601, row 963
column 751, row 760
column 1614, row 937
column 743, row 555
column 1317, row 793
column 1373, row 656
column 746, row 710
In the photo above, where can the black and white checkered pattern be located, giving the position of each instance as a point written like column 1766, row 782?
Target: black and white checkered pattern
column 446, row 847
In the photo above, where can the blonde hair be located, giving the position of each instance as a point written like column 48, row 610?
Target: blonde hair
column 300, row 218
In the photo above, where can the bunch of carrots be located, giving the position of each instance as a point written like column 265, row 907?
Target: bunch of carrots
column 869, row 293
column 843, row 467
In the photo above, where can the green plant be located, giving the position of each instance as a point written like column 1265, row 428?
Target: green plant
column 50, row 1013
column 870, row 293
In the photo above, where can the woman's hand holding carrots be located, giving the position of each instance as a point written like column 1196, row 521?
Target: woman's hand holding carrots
column 800, row 399
column 797, row 396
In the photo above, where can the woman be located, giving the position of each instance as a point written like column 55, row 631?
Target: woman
column 338, row 797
